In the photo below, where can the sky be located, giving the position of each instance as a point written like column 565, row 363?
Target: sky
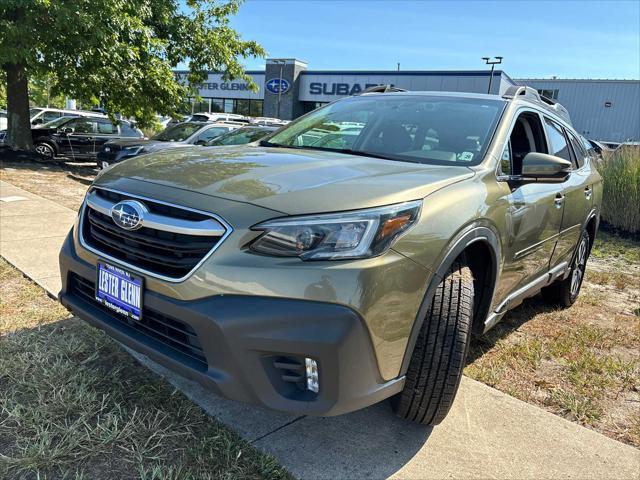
column 538, row 39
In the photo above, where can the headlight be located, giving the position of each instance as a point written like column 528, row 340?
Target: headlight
column 355, row 234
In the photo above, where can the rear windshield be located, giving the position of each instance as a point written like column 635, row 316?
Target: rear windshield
column 178, row 133
column 415, row 128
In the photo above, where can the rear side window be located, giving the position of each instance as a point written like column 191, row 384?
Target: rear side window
column 107, row 128
column 127, row 131
column 558, row 141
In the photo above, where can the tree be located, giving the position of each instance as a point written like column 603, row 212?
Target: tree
column 119, row 53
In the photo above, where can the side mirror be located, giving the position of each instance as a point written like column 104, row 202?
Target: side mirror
column 67, row 130
column 201, row 142
column 542, row 166
column 37, row 121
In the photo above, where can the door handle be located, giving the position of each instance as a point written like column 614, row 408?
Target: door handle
column 558, row 200
column 588, row 191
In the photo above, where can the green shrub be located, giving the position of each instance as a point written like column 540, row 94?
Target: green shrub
column 621, row 189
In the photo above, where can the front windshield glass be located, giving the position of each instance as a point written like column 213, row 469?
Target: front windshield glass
column 241, row 136
column 34, row 111
column 177, row 133
column 443, row 130
column 57, row 122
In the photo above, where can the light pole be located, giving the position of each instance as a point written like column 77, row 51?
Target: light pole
column 281, row 63
column 493, row 64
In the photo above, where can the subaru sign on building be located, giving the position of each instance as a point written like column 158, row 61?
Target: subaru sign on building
column 277, row 86
column 600, row 109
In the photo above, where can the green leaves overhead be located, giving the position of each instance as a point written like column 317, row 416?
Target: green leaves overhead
column 122, row 52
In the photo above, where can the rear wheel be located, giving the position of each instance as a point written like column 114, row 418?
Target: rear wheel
column 564, row 293
column 45, row 150
column 440, row 353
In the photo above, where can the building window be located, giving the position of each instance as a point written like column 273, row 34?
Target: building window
column 241, row 106
column 549, row 93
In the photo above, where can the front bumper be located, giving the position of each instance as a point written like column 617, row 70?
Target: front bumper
column 242, row 338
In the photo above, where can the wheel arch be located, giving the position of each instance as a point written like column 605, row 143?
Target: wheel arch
column 483, row 249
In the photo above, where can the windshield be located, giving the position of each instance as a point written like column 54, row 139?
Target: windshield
column 57, row 122
column 34, row 111
column 442, row 130
column 241, row 136
column 177, row 133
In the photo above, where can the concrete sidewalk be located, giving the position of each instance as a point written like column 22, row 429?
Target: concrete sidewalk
column 487, row 434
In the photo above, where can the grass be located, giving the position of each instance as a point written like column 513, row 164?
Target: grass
column 621, row 189
column 73, row 404
column 583, row 362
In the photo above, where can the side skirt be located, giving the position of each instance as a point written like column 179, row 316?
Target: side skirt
column 528, row 290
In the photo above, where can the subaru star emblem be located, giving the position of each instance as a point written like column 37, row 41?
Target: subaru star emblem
column 278, row 85
column 128, row 214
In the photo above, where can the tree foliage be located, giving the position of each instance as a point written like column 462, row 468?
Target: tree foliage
column 121, row 53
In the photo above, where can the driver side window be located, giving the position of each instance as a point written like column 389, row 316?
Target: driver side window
column 526, row 136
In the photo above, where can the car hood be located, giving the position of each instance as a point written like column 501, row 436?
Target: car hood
column 287, row 180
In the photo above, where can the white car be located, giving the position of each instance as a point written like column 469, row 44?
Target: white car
column 3, row 120
column 40, row 115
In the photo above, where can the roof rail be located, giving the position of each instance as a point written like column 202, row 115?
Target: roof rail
column 528, row 93
column 382, row 89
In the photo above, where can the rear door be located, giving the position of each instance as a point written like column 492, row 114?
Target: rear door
column 105, row 131
column 576, row 189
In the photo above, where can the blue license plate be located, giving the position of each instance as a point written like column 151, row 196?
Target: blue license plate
column 119, row 290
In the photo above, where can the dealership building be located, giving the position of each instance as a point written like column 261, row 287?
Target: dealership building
column 607, row 110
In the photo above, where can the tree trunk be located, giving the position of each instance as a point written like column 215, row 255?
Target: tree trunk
column 18, row 121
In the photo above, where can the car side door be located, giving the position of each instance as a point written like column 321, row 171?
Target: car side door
column 534, row 209
column 105, row 131
column 577, row 191
column 77, row 136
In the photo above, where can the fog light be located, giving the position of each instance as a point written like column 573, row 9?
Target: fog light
column 311, row 368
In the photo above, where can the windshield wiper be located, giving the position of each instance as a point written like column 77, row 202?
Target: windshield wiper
column 348, row 151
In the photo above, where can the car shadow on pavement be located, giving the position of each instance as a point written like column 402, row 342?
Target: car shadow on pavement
column 369, row 443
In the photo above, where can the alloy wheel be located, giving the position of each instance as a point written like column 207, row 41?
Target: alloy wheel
column 579, row 265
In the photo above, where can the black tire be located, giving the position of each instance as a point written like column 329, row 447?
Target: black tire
column 440, row 352
column 564, row 293
column 45, row 149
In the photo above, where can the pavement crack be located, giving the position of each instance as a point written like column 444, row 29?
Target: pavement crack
column 278, row 429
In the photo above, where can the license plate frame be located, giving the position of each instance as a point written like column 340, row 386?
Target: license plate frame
column 109, row 294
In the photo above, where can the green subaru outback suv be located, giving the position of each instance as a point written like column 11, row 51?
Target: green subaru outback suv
column 346, row 259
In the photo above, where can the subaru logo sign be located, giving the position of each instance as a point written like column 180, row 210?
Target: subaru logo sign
column 277, row 85
column 128, row 214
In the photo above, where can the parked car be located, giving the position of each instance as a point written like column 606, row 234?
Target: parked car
column 241, row 136
column 218, row 117
column 180, row 135
column 320, row 280
column 79, row 136
column 3, row 120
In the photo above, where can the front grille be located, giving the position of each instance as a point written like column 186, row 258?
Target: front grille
column 161, row 252
column 171, row 332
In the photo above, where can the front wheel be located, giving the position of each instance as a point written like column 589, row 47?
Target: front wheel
column 45, row 150
column 440, row 353
column 564, row 293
